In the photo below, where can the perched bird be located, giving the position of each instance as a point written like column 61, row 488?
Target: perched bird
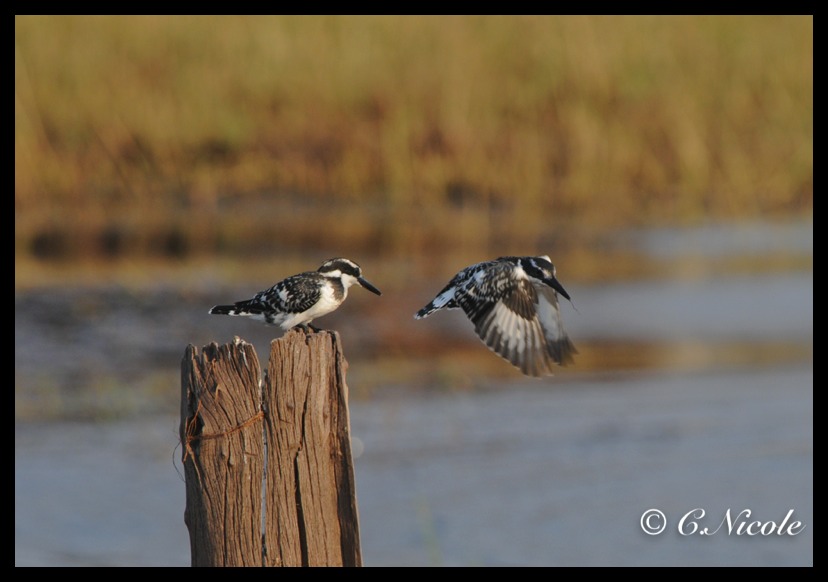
column 299, row 299
column 513, row 304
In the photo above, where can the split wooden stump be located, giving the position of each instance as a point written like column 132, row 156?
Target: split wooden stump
column 267, row 462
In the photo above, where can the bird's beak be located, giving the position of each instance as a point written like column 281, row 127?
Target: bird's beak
column 556, row 285
column 368, row 286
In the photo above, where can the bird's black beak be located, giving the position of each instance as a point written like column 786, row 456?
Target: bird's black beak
column 556, row 285
column 368, row 286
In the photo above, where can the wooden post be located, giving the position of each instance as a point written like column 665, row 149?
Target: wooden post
column 223, row 454
column 269, row 471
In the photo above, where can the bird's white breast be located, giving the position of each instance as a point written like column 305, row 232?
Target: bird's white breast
column 327, row 303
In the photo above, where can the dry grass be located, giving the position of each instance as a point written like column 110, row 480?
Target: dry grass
column 169, row 135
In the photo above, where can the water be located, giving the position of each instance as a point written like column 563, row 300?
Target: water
column 527, row 474
column 743, row 308
column 495, row 470
column 561, row 476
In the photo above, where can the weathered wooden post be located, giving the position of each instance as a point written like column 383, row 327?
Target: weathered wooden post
column 268, row 465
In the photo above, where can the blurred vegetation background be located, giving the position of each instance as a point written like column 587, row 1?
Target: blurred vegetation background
column 425, row 137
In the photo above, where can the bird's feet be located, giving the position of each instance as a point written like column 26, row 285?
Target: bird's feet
column 308, row 328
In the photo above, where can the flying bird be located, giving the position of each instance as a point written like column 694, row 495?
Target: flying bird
column 513, row 304
column 299, row 299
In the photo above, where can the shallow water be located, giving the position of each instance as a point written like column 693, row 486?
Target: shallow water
column 109, row 352
column 522, row 474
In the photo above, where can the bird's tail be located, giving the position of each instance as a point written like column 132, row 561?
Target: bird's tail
column 444, row 300
column 425, row 311
column 240, row 308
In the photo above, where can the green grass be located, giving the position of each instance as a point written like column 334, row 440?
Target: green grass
column 176, row 135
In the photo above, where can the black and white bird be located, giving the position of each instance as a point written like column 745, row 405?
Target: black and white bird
column 299, row 299
column 513, row 304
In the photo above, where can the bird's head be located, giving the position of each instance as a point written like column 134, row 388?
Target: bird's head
column 348, row 272
column 542, row 268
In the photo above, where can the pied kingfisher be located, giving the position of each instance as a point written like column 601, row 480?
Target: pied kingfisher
column 513, row 304
column 299, row 299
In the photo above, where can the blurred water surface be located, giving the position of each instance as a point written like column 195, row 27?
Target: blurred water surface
column 521, row 474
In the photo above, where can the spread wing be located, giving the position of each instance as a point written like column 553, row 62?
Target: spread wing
column 518, row 320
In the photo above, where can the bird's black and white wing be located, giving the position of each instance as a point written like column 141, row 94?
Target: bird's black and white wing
column 287, row 298
column 516, row 318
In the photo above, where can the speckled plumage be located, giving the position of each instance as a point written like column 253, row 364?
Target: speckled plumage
column 299, row 299
column 513, row 304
